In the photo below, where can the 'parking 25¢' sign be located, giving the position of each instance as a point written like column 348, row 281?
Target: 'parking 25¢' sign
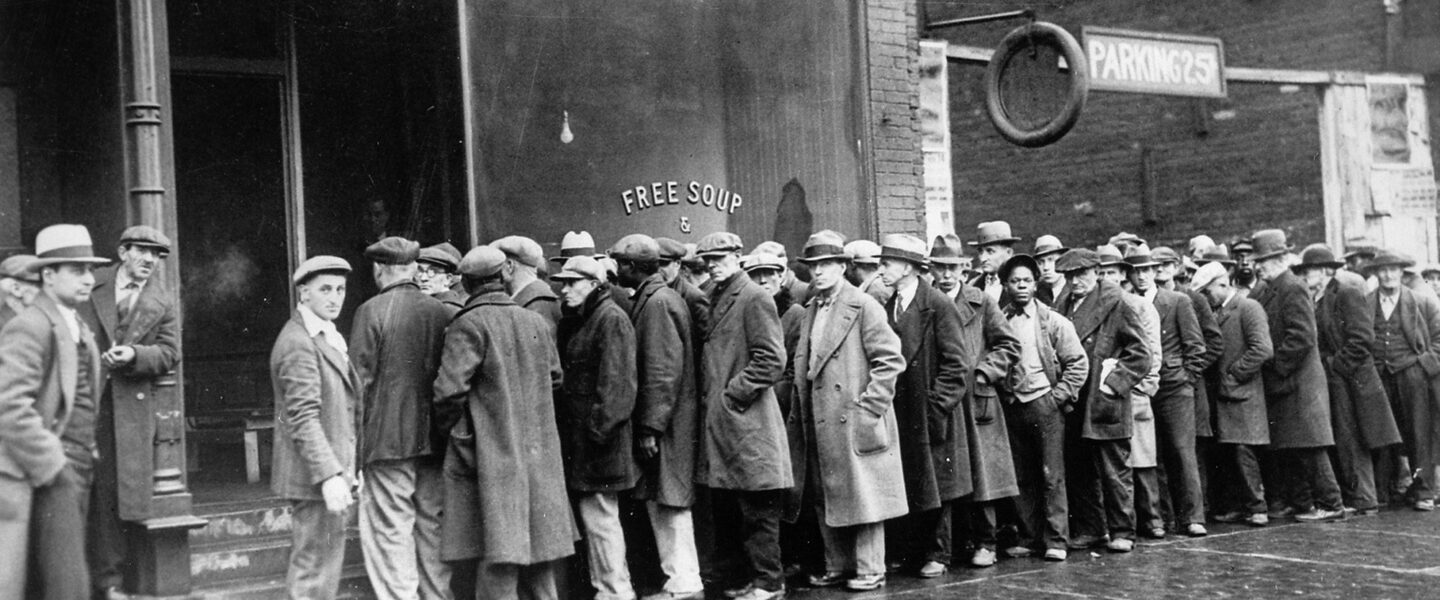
column 1154, row 63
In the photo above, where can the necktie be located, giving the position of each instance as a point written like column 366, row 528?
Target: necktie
column 127, row 301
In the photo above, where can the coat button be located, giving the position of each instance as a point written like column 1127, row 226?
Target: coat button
column 140, row 396
column 842, row 418
column 837, row 387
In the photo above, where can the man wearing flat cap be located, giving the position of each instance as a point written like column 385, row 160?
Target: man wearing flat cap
column 18, row 286
column 1299, row 479
column 995, row 245
column 317, row 413
column 799, row 290
column 523, row 257
column 1360, row 415
column 1406, row 349
column 666, row 410
column 769, row 272
column 672, row 256
column 744, row 455
column 47, row 425
column 505, row 501
column 137, row 330
column 437, row 272
column 395, row 344
column 934, row 446
column 1099, row 483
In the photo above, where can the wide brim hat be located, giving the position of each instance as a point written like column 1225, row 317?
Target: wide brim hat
column 1430, row 268
column 1389, row 258
column 1317, row 255
column 947, row 250
column 1108, row 255
column 1139, row 255
column 61, row 244
column 1046, row 245
column 1019, row 260
column 993, row 232
column 863, row 252
column 900, row 246
column 824, row 245
column 576, row 243
column 1268, row 243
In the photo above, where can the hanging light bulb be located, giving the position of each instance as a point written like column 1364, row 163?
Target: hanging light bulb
column 565, row 135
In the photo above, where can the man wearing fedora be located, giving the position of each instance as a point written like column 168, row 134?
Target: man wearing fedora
column 1048, row 281
column 137, row 328
column 317, row 415
column 523, row 259
column 505, row 502
column 395, row 344
column 1144, row 457
column 1406, row 349
column 946, row 254
column 865, row 269
column 1168, row 276
column 49, row 398
column 1360, row 415
column 18, row 286
column 437, row 273
column 842, row 428
column 1040, row 385
column 1098, row 429
column 1298, row 474
column 744, row 455
column 934, row 451
column 994, row 244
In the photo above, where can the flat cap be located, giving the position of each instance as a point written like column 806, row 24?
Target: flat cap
column 1077, row 259
column 144, row 235
column 393, row 250
column 17, row 267
column 523, row 249
column 1207, row 274
column 760, row 261
column 482, row 261
column 770, row 247
column 320, row 265
column 718, row 243
column 691, row 258
column 863, row 252
column 637, row 247
column 1125, row 237
column 671, row 249
column 580, row 267
column 441, row 255
column 824, row 245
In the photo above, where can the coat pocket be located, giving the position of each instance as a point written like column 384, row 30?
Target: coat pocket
column 462, row 459
column 1108, row 409
column 868, row 433
column 987, row 404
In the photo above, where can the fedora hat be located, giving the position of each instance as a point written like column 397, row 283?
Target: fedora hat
column 1217, row 253
column 824, row 245
column 1139, row 256
column 1109, row 255
column 993, row 232
column 575, row 243
column 863, row 252
column 947, row 250
column 1317, row 255
column 1268, row 243
column 1389, row 258
column 59, row 244
column 901, row 246
column 1046, row 245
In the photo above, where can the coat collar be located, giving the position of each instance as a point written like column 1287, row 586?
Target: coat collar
column 844, row 308
column 490, row 295
column 332, row 355
column 723, row 298
column 1095, row 307
column 914, row 322
column 66, row 354
column 647, row 289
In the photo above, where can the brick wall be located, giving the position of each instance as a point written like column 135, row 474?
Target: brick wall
column 1221, row 167
column 894, row 50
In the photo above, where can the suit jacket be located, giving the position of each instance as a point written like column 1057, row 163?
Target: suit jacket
column 1107, row 328
column 1297, row 394
column 1420, row 324
column 1182, row 344
column 666, row 403
column 1345, row 324
column 934, row 448
column 989, row 347
column 1239, row 391
column 395, row 343
column 317, row 412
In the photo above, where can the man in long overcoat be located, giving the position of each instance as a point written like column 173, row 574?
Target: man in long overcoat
column 523, row 258
column 768, row 271
column 1239, row 393
column 1359, row 412
column 1299, row 476
column 593, row 408
column 505, row 500
column 744, row 457
column 1407, row 354
column 138, row 332
column 842, row 429
column 49, row 382
column 317, row 409
column 395, row 344
column 934, row 446
column 666, row 412
column 1100, row 485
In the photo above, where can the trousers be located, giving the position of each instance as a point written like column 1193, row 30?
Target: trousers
column 57, row 537
column 1037, row 445
column 858, row 548
column 1419, row 418
column 317, row 550
column 1301, row 477
column 505, row 581
column 1102, row 488
column 1174, row 407
column 674, row 530
column 756, row 538
column 400, row 529
column 1240, row 482
column 605, row 543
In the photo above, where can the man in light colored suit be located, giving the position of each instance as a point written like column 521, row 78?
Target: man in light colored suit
column 315, row 445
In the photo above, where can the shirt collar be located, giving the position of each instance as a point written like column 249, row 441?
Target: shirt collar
column 123, row 279
column 1228, row 299
column 905, row 288
column 1151, row 293
column 314, row 325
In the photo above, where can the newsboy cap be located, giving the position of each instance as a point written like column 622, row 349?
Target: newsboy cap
column 320, row 265
column 580, row 267
column 393, row 250
column 760, row 261
column 441, row 255
column 482, row 261
column 718, row 244
column 671, row 249
column 637, row 247
column 770, row 247
column 1077, row 259
column 17, row 267
column 1208, row 274
column 522, row 249
column 144, row 235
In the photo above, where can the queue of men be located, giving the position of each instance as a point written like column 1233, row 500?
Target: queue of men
column 896, row 415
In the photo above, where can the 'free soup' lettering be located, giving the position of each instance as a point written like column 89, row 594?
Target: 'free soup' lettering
column 662, row 193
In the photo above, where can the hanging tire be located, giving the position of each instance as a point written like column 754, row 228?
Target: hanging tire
column 1020, row 40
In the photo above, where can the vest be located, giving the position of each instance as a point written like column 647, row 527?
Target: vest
column 1392, row 350
column 79, row 435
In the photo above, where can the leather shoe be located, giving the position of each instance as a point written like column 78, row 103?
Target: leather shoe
column 739, row 591
column 1018, row 552
column 1056, row 554
column 1426, row 505
column 1157, row 533
column 828, row 579
column 1230, row 517
column 757, row 593
column 933, row 569
column 1121, row 545
column 1196, row 530
column 865, row 583
column 697, row 595
column 1258, row 520
column 984, row 557
column 1317, row 515
column 1085, row 542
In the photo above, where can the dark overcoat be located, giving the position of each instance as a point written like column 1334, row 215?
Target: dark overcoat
column 395, row 343
column 842, row 417
column 597, row 398
column 934, row 445
column 505, row 498
column 317, row 409
column 541, row 299
column 666, row 402
column 742, row 438
column 1238, row 389
column 1346, row 329
column 698, row 302
column 790, row 321
column 1108, row 328
column 1214, row 346
column 153, row 330
column 988, row 347
column 1297, row 395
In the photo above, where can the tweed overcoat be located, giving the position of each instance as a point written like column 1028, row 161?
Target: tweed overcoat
column 988, row 347
column 845, row 383
column 1346, row 327
column 934, row 445
column 541, row 299
column 1296, row 393
column 505, row 498
column 742, row 437
column 597, row 398
column 1238, row 390
column 317, row 409
column 666, row 403
column 1107, row 328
